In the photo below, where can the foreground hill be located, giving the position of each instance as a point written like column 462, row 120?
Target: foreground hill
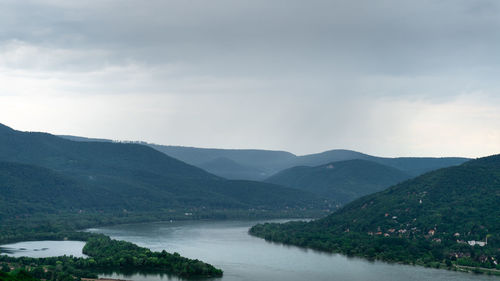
column 129, row 176
column 255, row 164
column 343, row 181
column 431, row 219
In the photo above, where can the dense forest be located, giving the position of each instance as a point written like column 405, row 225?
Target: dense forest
column 342, row 181
column 63, row 175
column 17, row 275
column 446, row 218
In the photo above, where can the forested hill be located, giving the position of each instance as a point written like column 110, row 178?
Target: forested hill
column 461, row 199
column 63, row 155
column 426, row 220
column 27, row 188
column 132, row 177
column 261, row 164
column 258, row 164
column 343, row 181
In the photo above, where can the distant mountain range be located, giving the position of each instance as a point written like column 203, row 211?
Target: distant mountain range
column 254, row 164
column 343, row 181
column 53, row 173
column 434, row 219
column 340, row 175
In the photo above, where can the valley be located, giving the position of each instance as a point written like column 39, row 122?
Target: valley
column 54, row 187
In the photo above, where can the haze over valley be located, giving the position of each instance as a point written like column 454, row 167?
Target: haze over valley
column 56, row 185
column 249, row 140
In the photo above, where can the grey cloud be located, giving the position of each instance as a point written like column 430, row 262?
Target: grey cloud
column 307, row 62
column 358, row 36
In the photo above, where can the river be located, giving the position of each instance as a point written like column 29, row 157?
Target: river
column 42, row 249
column 227, row 245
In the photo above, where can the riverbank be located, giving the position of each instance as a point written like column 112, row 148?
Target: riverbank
column 69, row 226
column 369, row 247
column 102, row 279
column 226, row 244
column 470, row 269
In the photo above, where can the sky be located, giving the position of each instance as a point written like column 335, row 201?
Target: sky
column 388, row 77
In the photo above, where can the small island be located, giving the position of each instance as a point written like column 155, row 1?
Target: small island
column 104, row 254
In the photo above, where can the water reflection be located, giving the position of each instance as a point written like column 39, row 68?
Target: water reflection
column 124, row 274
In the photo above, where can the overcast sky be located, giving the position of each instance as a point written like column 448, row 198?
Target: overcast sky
column 390, row 78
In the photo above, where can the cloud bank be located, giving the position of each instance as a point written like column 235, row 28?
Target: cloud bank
column 383, row 77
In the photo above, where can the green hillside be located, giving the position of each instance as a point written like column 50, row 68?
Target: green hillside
column 134, row 177
column 257, row 164
column 26, row 189
column 428, row 220
column 342, row 181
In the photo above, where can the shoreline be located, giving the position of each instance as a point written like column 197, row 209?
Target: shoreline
column 103, row 279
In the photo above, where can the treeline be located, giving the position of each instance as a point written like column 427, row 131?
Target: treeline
column 65, row 268
column 106, row 254
column 18, row 275
column 66, row 226
column 58, row 226
column 418, row 250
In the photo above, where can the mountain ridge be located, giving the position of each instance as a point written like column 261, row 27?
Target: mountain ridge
column 343, row 181
column 137, row 177
column 262, row 164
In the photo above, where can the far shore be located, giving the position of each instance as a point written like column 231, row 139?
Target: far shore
column 103, row 279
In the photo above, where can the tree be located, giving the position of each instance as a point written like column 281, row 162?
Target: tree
column 5, row 267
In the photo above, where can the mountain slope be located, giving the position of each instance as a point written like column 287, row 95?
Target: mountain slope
column 229, row 169
column 423, row 220
column 342, row 181
column 261, row 164
column 137, row 177
column 413, row 166
column 267, row 163
column 258, row 164
column 87, row 157
column 27, row 189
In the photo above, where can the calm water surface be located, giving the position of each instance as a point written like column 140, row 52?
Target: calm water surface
column 43, row 249
column 227, row 245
